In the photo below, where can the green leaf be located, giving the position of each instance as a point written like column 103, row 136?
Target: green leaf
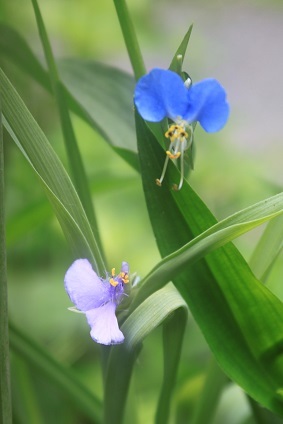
column 178, row 59
column 173, row 332
column 149, row 315
column 104, row 99
column 267, row 249
column 15, row 48
column 73, row 152
column 99, row 94
column 5, row 394
column 208, row 400
column 240, row 319
column 58, row 187
column 62, row 377
column 211, row 239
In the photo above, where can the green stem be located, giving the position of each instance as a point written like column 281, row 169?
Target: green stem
column 5, row 391
column 130, row 38
column 75, row 160
column 208, row 401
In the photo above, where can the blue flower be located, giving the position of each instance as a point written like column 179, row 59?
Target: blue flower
column 163, row 94
column 98, row 298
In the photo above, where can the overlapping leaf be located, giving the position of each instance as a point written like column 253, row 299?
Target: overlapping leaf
column 100, row 94
column 156, row 309
column 240, row 318
column 59, row 189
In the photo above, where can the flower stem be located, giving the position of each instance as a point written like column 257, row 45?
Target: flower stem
column 130, row 38
column 74, row 156
column 209, row 398
column 5, row 392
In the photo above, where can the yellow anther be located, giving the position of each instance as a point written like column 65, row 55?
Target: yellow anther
column 176, row 131
column 113, row 272
column 113, row 282
column 158, row 182
column 124, row 277
column 173, row 155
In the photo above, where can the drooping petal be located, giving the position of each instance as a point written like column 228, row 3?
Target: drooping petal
column 104, row 325
column 207, row 104
column 84, row 287
column 159, row 94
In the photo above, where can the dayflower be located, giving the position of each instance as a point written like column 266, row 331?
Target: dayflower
column 163, row 94
column 98, row 298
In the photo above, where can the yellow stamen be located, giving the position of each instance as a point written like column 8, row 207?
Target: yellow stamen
column 113, row 282
column 173, row 155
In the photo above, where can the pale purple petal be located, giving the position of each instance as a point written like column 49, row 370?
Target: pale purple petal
column 125, row 267
column 104, row 325
column 84, row 287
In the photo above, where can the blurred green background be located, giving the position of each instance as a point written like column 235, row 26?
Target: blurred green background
column 240, row 44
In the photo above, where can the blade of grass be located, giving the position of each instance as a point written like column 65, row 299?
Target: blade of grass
column 62, row 377
column 149, row 315
column 173, row 334
column 211, row 239
column 59, row 189
column 267, row 249
column 130, row 38
column 74, row 156
column 214, row 383
column 23, row 392
column 5, row 391
column 97, row 93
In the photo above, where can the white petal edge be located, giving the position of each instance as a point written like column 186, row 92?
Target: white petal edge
column 104, row 325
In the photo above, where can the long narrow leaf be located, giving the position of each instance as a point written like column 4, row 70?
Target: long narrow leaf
column 74, row 156
column 267, row 249
column 5, row 394
column 62, row 195
column 241, row 319
column 99, row 94
column 149, row 315
column 61, row 377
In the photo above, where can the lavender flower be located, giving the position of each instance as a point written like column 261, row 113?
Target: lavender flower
column 98, row 298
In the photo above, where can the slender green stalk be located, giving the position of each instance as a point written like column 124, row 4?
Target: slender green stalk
column 5, row 392
column 130, row 38
column 73, row 152
column 208, row 401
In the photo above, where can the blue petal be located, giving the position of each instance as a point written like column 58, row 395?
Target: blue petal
column 104, row 325
column 84, row 287
column 159, row 94
column 207, row 104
